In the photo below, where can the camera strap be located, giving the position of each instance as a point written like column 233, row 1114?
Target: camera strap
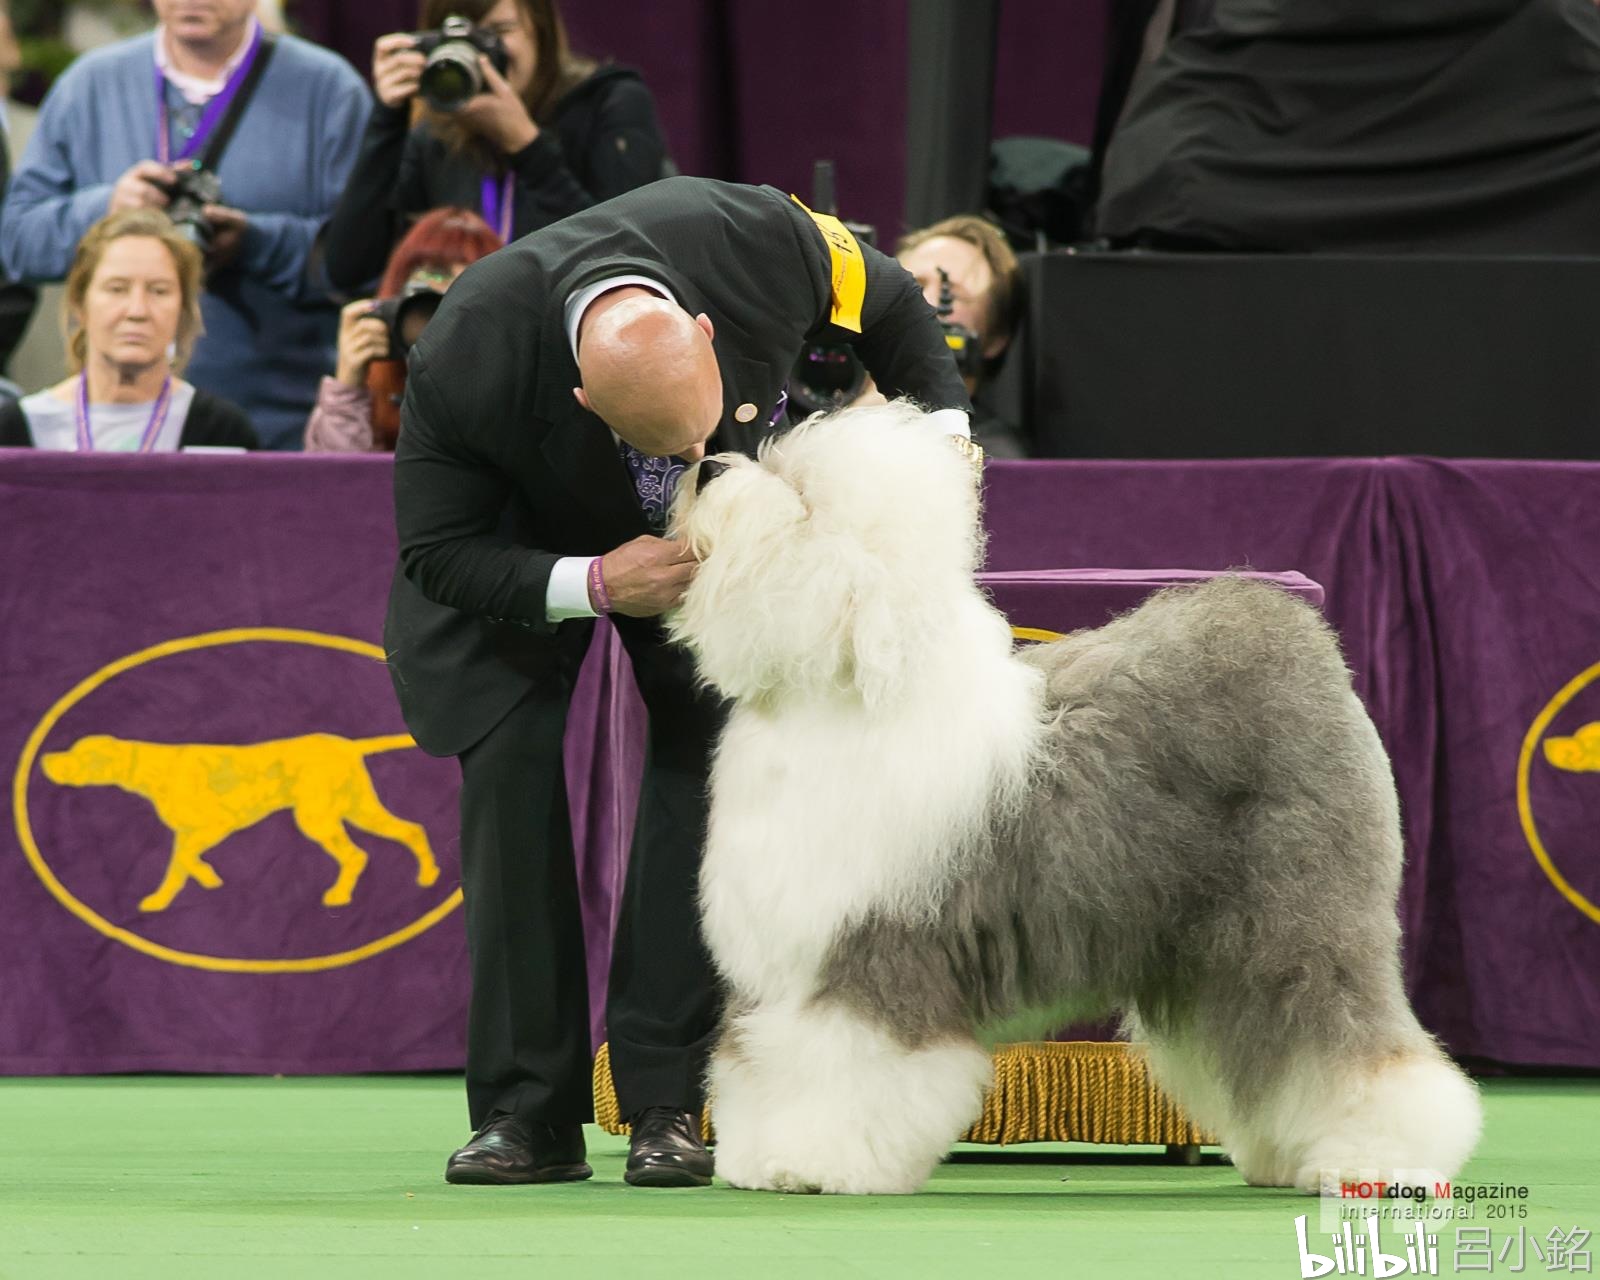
column 221, row 114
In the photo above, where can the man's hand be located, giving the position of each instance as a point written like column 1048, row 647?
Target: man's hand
column 396, row 69
column 227, row 234
column 142, row 187
column 646, row 576
column 498, row 114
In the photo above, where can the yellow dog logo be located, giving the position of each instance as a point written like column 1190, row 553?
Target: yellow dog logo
column 205, row 793
column 1578, row 754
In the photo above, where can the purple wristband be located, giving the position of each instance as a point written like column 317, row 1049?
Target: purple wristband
column 597, row 586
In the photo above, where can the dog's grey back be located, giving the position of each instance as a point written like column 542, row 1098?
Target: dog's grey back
column 1213, row 807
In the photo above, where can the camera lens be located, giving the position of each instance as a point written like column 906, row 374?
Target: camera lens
column 451, row 76
column 412, row 316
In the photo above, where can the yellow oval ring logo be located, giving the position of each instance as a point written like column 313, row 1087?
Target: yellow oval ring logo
column 189, row 959
column 1530, row 829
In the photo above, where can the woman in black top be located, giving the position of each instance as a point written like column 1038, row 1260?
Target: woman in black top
column 555, row 134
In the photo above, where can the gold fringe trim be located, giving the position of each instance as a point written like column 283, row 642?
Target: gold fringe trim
column 1074, row 1091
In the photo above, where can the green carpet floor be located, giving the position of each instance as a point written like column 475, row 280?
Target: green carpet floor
column 234, row 1179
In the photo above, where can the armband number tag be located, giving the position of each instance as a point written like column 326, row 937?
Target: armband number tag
column 848, row 269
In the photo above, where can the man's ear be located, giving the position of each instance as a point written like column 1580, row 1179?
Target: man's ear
column 704, row 321
column 582, row 398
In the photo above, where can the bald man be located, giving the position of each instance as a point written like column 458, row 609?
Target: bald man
column 562, row 387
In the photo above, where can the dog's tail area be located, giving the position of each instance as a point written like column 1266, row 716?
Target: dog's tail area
column 390, row 742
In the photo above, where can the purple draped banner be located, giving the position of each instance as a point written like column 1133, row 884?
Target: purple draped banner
column 223, row 855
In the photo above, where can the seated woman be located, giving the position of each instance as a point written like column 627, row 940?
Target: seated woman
column 131, row 309
column 552, row 135
column 358, row 409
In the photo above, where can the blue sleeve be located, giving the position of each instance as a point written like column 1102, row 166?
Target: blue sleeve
column 277, row 246
column 46, row 213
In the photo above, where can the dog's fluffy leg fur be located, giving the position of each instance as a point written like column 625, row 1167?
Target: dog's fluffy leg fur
column 1332, row 1109
column 814, row 1098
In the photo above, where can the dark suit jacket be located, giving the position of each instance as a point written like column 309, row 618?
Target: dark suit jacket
column 498, row 471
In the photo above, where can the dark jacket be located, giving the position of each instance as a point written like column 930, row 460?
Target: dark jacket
column 498, row 471
column 212, row 421
column 602, row 139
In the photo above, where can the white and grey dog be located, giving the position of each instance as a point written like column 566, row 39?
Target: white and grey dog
column 919, row 837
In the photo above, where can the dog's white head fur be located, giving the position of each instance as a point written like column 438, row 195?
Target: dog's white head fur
column 829, row 563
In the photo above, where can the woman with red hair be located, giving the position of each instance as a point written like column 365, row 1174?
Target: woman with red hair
column 358, row 409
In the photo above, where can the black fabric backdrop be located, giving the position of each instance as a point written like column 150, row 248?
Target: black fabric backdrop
column 757, row 92
column 1148, row 355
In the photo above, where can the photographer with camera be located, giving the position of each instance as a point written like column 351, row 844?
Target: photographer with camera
column 244, row 139
column 358, row 409
column 488, row 109
column 969, row 276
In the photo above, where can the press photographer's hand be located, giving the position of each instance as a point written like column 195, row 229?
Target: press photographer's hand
column 228, row 227
column 647, row 576
column 498, row 113
column 363, row 338
column 144, row 186
column 396, row 69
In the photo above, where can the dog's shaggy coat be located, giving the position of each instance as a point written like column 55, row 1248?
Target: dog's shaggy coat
column 921, row 841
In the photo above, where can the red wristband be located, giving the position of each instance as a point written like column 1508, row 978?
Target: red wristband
column 597, row 587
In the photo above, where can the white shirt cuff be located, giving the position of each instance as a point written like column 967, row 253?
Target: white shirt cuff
column 567, row 595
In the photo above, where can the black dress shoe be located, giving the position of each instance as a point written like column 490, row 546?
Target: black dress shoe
column 666, row 1150
column 508, row 1150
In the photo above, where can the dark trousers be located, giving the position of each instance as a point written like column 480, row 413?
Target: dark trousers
column 528, row 1027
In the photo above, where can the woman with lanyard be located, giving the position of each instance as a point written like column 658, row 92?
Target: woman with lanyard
column 131, row 307
column 554, row 134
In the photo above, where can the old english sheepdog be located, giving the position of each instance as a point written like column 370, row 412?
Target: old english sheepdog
column 921, row 840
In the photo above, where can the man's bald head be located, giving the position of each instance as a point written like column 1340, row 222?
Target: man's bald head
column 648, row 369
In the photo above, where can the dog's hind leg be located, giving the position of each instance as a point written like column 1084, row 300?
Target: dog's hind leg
column 1187, row 1071
column 1404, row 1115
column 1314, row 1083
column 328, row 833
column 814, row 1097
column 367, row 813
column 185, row 864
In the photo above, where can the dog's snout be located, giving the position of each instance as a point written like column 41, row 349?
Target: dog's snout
column 710, row 469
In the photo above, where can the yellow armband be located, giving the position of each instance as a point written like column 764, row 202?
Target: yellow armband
column 848, row 269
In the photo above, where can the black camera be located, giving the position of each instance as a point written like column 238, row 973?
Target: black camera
column 827, row 375
column 451, row 76
column 407, row 316
column 191, row 191
column 964, row 344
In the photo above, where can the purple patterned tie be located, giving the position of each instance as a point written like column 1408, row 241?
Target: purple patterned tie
column 655, row 479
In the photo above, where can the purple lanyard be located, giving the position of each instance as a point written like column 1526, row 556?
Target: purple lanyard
column 158, row 416
column 497, row 205
column 215, row 107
